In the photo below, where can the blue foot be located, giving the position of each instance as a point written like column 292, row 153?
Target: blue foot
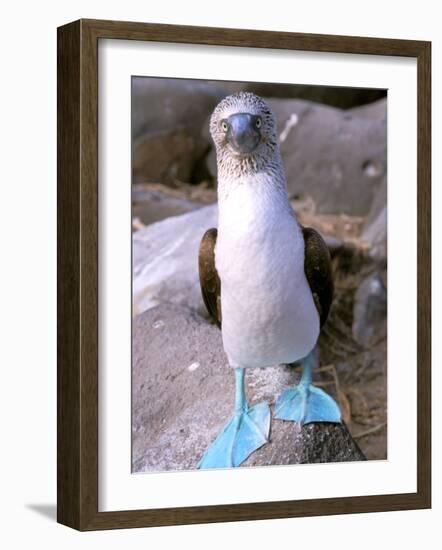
column 306, row 403
column 247, row 431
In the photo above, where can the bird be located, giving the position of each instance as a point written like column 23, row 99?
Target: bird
column 266, row 281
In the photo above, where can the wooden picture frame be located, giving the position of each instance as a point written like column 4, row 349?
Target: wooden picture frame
column 77, row 224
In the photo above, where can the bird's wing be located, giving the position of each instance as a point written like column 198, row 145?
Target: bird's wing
column 317, row 267
column 209, row 280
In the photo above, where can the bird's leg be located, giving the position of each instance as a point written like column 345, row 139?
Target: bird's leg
column 241, row 404
column 246, row 431
column 305, row 402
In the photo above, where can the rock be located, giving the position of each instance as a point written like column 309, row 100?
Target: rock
column 165, row 261
column 313, row 443
column 183, row 392
column 370, row 311
column 338, row 159
column 149, row 206
column 343, row 98
column 378, row 204
column 374, row 232
column 166, row 156
column 374, row 111
column 167, row 118
column 168, row 104
column 375, row 236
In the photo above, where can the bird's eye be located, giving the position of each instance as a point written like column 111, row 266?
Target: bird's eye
column 224, row 126
column 258, row 123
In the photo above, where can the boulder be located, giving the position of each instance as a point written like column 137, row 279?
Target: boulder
column 374, row 232
column 375, row 236
column 370, row 310
column 167, row 156
column 337, row 158
column 167, row 119
column 151, row 205
column 335, row 96
column 168, row 104
column 374, row 111
column 183, row 392
column 165, row 260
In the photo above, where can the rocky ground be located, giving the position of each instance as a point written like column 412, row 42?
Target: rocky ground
column 183, row 393
column 336, row 167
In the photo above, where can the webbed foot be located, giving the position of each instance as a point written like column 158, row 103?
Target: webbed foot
column 307, row 403
column 247, row 431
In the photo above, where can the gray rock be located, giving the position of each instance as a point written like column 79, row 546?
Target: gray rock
column 370, row 311
column 374, row 232
column 166, row 156
column 165, row 261
column 167, row 118
column 149, row 205
column 374, row 111
column 313, row 443
column 378, row 204
column 183, row 393
column 375, row 235
column 339, row 159
column 343, row 98
column 169, row 104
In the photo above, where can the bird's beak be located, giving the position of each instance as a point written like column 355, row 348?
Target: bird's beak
column 242, row 134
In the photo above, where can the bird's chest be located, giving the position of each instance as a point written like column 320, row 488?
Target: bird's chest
column 256, row 260
column 265, row 298
column 260, row 249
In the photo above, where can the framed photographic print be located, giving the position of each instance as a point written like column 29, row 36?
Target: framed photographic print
column 243, row 219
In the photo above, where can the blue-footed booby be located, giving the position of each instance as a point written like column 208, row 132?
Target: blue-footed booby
column 266, row 280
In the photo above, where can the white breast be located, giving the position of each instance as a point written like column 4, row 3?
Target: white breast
column 268, row 313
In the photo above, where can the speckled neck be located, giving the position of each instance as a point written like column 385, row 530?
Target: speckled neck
column 234, row 171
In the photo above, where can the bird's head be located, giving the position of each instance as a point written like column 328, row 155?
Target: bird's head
column 243, row 128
